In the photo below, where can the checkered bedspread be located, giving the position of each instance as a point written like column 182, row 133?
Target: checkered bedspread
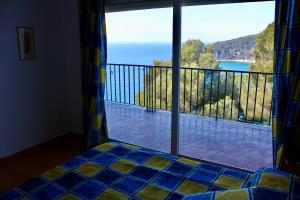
column 121, row 171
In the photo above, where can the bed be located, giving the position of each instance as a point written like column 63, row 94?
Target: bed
column 116, row 170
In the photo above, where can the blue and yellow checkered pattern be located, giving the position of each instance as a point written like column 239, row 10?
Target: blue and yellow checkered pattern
column 286, row 90
column 266, row 184
column 93, row 59
column 122, row 171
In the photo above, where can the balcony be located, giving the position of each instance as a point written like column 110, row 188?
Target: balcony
column 225, row 115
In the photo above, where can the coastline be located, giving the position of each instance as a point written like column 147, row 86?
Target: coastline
column 237, row 60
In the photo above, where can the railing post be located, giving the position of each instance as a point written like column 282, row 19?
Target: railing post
column 176, row 76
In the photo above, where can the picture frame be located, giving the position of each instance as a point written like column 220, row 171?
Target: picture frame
column 26, row 43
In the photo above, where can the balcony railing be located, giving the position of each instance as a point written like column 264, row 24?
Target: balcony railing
column 228, row 94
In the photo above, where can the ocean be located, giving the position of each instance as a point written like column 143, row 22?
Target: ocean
column 122, row 89
column 145, row 53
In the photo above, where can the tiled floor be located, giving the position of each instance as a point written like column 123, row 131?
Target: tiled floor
column 232, row 143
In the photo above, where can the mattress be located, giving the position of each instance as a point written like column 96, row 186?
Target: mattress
column 116, row 170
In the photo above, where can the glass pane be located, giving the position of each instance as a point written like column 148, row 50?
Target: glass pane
column 226, row 84
column 138, row 92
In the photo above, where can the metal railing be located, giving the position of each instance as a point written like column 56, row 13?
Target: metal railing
column 229, row 94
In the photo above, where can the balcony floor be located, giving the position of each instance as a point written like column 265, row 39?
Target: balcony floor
column 227, row 142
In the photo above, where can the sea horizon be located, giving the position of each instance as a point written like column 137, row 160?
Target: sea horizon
column 137, row 53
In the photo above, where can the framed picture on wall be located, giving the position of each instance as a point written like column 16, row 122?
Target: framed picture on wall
column 26, row 43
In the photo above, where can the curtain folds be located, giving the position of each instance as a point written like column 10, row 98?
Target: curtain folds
column 286, row 90
column 93, row 69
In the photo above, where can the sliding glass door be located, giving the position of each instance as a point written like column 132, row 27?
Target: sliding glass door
column 203, row 90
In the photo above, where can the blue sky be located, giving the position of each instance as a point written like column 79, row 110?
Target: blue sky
column 209, row 23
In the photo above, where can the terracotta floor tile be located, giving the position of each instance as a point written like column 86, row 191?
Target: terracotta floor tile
column 227, row 142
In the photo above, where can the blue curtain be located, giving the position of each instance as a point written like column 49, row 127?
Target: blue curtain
column 93, row 58
column 286, row 90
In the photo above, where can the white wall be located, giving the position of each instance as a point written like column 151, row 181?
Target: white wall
column 39, row 99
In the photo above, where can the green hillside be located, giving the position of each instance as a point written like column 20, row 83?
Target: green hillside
column 236, row 49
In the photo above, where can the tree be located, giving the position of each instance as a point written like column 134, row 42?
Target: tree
column 191, row 51
column 259, row 108
column 264, row 50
